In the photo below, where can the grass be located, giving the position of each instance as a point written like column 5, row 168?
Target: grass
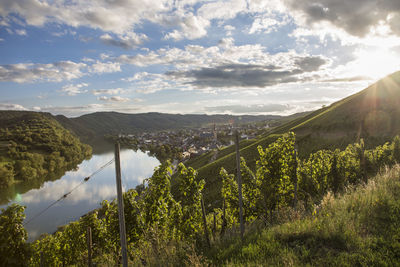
column 359, row 228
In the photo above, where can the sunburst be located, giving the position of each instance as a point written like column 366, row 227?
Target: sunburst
column 376, row 63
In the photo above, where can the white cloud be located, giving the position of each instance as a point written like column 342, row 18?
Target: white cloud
column 118, row 17
column 148, row 83
column 30, row 72
column 191, row 27
column 113, row 98
column 74, row 89
column 86, row 59
column 63, row 33
column 21, row 32
column 356, row 17
column 127, row 41
column 138, row 100
column 223, row 66
column 105, row 67
column 110, row 16
column 9, row 106
column 222, row 9
column 195, row 56
column 114, row 91
column 229, row 29
column 268, row 23
column 226, row 42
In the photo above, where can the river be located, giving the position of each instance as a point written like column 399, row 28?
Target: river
column 135, row 166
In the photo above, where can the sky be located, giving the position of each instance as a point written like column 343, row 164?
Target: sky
column 74, row 57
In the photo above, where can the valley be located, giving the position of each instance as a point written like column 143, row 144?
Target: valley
column 343, row 151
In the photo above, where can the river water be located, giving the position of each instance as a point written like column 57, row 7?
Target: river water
column 135, row 166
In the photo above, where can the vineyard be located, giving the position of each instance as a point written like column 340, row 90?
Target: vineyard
column 168, row 229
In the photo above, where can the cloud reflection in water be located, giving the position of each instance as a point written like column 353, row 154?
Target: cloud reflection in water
column 135, row 167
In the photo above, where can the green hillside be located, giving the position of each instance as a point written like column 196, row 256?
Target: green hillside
column 33, row 146
column 371, row 114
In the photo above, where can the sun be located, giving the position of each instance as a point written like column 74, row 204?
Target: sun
column 376, row 63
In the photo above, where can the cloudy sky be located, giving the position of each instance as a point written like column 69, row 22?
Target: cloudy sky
column 74, row 57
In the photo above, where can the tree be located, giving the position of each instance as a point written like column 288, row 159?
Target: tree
column 6, row 175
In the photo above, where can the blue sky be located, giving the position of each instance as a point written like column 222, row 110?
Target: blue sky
column 238, row 57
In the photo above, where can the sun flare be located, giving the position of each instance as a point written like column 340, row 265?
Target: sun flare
column 376, row 63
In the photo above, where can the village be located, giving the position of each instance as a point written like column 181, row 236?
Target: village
column 183, row 144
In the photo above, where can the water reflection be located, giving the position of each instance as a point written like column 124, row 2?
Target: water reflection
column 135, row 167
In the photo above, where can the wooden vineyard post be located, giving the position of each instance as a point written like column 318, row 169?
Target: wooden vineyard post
column 239, row 178
column 362, row 162
column 121, row 215
column 295, row 179
column 214, row 227
column 41, row 259
column 223, row 218
column 89, row 245
column 203, row 210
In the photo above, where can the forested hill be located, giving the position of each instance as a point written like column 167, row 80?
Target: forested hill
column 101, row 123
column 34, row 145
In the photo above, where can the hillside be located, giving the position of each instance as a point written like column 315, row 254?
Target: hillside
column 359, row 228
column 371, row 114
column 33, row 146
column 102, row 123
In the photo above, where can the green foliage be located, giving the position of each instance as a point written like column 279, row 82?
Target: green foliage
column 251, row 192
column 6, row 174
column 14, row 251
column 396, row 149
column 210, row 172
column 316, row 174
column 35, row 145
column 47, row 250
column 161, row 210
column 230, row 194
column 163, row 152
column 190, row 201
column 275, row 170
